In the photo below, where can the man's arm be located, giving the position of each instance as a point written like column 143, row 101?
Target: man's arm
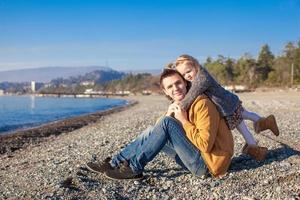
column 199, row 85
column 202, row 130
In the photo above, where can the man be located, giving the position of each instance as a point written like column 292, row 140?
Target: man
column 200, row 143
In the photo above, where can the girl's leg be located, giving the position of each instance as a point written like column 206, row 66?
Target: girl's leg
column 251, row 148
column 261, row 123
column 242, row 128
column 250, row 115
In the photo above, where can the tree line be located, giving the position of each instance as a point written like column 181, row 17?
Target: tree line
column 266, row 70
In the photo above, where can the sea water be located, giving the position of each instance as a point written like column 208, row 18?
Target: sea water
column 17, row 112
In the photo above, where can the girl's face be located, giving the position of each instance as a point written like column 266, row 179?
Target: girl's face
column 187, row 70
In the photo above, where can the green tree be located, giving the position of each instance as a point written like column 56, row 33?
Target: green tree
column 289, row 50
column 208, row 60
column 229, row 68
column 218, row 70
column 244, row 70
column 280, row 76
column 296, row 62
column 265, row 61
column 283, row 64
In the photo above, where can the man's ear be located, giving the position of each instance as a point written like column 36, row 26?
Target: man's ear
column 168, row 97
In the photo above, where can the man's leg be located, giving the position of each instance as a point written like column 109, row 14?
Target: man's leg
column 170, row 152
column 130, row 150
column 151, row 142
column 125, row 154
column 186, row 152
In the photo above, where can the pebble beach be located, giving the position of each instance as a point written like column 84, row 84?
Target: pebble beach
column 54, row 168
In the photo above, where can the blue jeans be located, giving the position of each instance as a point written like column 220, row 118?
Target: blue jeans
column 167, row 136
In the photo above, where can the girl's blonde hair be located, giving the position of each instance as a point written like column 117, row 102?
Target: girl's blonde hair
column 190, row 59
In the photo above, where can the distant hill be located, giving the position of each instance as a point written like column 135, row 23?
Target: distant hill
column 150, row 71
column 97, row 77
column 135, row 83
column 46, row 74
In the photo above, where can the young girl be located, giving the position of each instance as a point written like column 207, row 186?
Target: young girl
column 228, row 104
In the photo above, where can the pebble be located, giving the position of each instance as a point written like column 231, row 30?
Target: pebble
column 248, row 198
column 285, row 164
column 278, row 189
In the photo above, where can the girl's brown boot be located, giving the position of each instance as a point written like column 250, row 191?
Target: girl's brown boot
column 256, row 152
column 267, row 123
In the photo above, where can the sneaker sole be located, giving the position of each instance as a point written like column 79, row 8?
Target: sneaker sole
column 92, row 169
column 137, row 178
column 276, row 130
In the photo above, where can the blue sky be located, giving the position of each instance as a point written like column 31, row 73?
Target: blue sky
column 136, row 35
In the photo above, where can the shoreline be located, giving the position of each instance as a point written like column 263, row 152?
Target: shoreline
column 18, row 139
column 38, row 124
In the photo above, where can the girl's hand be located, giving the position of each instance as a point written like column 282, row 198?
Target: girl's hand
column 180, row 114
column 171, row 110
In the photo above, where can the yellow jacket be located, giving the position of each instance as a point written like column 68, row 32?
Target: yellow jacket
column 208, row 131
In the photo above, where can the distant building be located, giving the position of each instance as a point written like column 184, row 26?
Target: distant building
column 237, row 88
column 146, row 92
column 123, row 92
column 47, row 85
column 88, row 91
column 1, row 92
column 63, row 85
column 87, row 83
column 33, row 86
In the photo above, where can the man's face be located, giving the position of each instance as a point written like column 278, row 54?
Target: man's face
column 174, row 87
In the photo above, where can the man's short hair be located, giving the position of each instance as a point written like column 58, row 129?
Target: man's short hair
column 166, row 73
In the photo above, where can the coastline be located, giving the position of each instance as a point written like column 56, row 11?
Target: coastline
column 21, row 138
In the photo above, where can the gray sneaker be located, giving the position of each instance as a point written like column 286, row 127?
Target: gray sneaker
column 99, row 167
column 123, row 171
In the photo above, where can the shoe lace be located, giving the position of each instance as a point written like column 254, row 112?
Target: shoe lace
column 107, row 159
column 123, row 167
